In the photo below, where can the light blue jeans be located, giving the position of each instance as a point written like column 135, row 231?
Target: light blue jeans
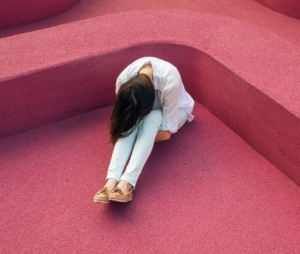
column 140, row 142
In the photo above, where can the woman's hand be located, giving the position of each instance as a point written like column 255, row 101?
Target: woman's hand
column 162, row 136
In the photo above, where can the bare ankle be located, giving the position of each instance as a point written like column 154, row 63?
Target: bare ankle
column 124, row 186
column 111, row 184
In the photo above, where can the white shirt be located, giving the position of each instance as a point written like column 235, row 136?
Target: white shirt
column 170, row 94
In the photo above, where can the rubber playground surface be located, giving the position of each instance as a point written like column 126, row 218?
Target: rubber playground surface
column 228, row 182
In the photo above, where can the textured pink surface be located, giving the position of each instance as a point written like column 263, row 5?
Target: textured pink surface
column 287, row 7
column 246, row 10
column 245, row 75
column 204, row 191
column 21, row 12
column 214, row 194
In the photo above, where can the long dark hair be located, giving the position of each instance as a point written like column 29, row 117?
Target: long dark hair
column 134, row 101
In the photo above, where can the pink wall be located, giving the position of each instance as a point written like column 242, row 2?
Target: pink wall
column 21, row 12
column 288, row 7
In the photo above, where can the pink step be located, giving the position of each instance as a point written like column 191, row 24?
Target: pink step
column 203, row 191
column 246, row 10
column 287, row 7
column 21, row 12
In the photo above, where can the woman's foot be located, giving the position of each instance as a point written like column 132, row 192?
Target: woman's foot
column 102, row 195
column 117, row 195
column 122, row 193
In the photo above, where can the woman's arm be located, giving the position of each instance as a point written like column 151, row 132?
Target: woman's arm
column 170, row 106
column 162, row 136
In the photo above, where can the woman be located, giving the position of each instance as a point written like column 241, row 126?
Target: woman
column 151, row 105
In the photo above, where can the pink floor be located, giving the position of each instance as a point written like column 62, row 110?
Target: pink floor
column 217, row 195
column 226, row 183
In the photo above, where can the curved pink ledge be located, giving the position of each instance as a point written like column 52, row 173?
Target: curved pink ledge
column 247, row 10
column 21, row 12
column 288, row 7
column 243, row 74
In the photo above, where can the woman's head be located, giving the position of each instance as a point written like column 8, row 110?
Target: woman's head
column 134, row 100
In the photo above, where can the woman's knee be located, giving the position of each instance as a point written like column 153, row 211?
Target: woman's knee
column 153, row 119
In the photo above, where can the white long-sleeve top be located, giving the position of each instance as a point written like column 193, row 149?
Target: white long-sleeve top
column 170, row 94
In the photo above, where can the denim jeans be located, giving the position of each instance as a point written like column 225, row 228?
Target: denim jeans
column 140, row 142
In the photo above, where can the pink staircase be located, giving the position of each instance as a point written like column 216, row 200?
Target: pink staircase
column 226, row 183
